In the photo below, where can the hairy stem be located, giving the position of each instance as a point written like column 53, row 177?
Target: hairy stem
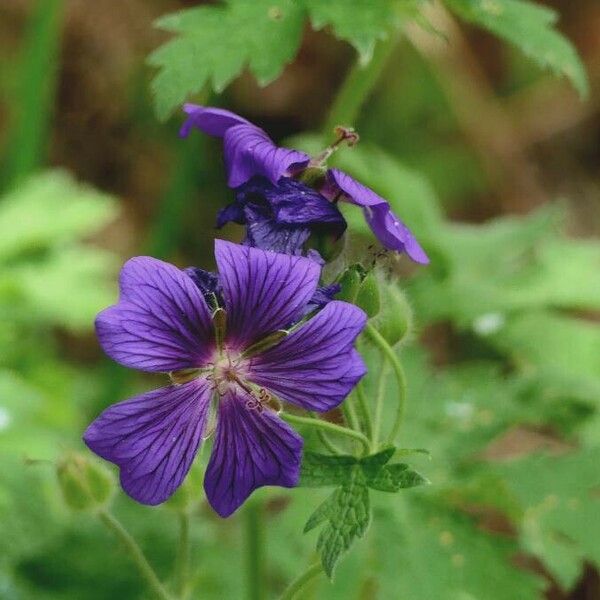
column 254, row 550
column 393, row 359
column 350, row 413
column 327, row 426
column 379, row 403
column 135, row 553
column 183, row 555
column 357, row 87
column 298, row 583
column 365, row 413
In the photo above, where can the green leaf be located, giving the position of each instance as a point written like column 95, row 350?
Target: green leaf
column 436, row 552
column 347, row 515
column 396, row 477
column 325, row 470
column 50, row 209
column 366, row 22
column 552, row 342
column 213, row 44
column 560, row 504
column 47, row 275
column 346, row 512
column 476, row 286
column 530, row 27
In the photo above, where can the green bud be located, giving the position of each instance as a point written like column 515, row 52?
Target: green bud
column 85, row 484
column 394, row 320
column 368, row 295
column 350, row 281
column 360, row 287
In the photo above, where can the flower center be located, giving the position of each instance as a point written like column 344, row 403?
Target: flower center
column 228, row 369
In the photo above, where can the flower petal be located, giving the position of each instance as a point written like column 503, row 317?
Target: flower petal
column 262, row 231
column 317, row 366
column 280, row 217
column 211, row 120
column 263, row 291
column 153, row 438
column 161, row 323
column 249, row 151
column 252, row 448
column 386, row 226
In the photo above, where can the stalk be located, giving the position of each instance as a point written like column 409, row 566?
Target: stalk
column 136, row 554
column 298, row 584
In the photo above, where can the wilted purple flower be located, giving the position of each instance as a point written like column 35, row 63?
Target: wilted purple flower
column 281, row 217
column 239, row 358
column 252, row 159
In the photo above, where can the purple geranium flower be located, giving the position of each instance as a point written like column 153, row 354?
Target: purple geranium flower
column 239, row 358
column 251, row 154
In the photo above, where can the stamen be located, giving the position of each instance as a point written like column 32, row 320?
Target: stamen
column 344, row 134
column 267, row 342
column 219, row 318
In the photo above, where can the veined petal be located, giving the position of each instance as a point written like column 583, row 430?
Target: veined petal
column 161, row 322
column 249, row 151
column 263, row 291
column 211, row 120
column 386, row 226
column 315, row 367
column 153, row 438
column 252, row 448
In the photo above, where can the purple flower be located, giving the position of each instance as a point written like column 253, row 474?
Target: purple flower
column 281, row 217
column 249, row 152
column 239, row 366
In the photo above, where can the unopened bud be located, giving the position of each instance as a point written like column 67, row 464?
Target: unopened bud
column 360, row 287
column 368, row 295
column 85, row 483
column 394, row 320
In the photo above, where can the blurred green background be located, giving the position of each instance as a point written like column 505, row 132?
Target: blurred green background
column 495, row 167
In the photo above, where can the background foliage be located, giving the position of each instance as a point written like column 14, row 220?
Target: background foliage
column 491, row 161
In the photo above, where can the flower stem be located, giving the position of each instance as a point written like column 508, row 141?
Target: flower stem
column 254, row 550
column 325, row 440
column 298, row 583
column 327, row 426
column 183, row 555
column 135, row 552
column 393, row 359
column 364, row 410
column 350, row 413
column 379, row 404
column 357, row 86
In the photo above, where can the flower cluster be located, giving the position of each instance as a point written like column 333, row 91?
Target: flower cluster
column 283, row 194
column 237, row 343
